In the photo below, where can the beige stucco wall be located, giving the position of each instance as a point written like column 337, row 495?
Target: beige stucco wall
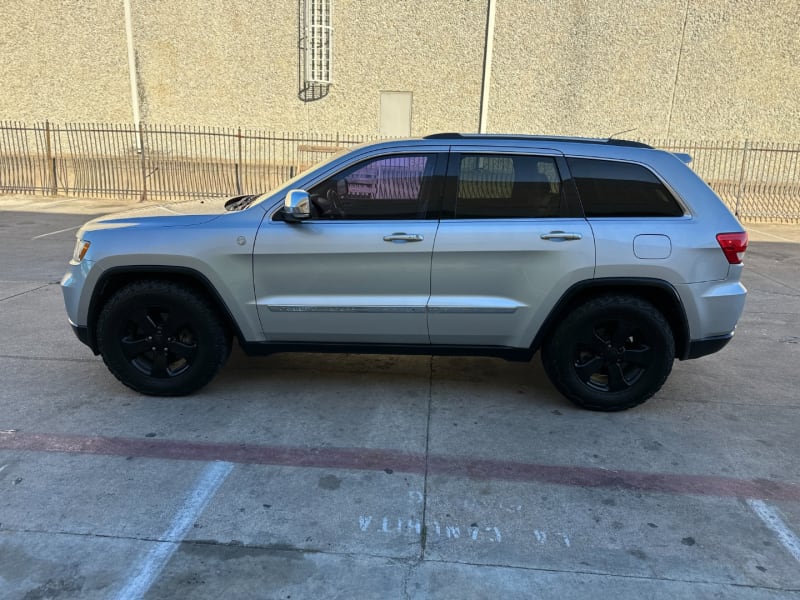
column 236, row 62
column 740, row 72
column 718, row 69
column 219, row 62
column 64, row 60
column 585, row 68
column 724, row 69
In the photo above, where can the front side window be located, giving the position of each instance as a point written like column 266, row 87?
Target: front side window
column 618, row 189
column 504, row 186
column 389, row 187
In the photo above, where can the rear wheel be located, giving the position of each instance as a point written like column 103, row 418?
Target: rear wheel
column 162, row 338
column 611, row 353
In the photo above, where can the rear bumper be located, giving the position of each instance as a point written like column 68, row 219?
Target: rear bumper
column 698, row 348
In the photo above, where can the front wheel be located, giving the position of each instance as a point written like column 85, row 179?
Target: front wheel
column 161, row 338
column 610, row 353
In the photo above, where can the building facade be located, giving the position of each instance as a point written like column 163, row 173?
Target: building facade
column 701, row 69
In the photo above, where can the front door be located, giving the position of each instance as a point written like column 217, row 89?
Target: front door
column 359, row 270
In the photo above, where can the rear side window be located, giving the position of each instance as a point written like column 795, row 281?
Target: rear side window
column 507, row 187
column 618, row 189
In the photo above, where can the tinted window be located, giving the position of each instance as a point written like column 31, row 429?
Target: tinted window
column 617, row 189
column 506, row 186
column 395, row 187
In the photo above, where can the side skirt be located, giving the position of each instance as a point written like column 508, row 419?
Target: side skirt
column 265, row 348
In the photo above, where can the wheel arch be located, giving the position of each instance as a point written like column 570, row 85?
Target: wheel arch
column 116, row 278
column 659, row 293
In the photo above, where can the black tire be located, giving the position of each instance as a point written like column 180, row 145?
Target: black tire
column 610, row 353
column 161, row 338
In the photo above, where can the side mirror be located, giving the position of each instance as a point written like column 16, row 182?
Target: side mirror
column 297, row 206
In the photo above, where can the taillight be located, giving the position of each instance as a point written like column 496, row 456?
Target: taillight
column 733, row 245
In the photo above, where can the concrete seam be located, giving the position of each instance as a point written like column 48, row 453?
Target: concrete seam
column 615, row 575
column 407, row 578
column 414, row 563
column 768, row 278
column 427, row 460
column 25, row 292
column 48, row 358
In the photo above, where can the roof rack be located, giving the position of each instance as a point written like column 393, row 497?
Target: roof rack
column 536, row 138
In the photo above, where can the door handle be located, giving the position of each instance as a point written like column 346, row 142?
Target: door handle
column 561, row 236
column 403, row 237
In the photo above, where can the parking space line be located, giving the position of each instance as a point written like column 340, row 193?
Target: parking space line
column 376, row 459
column 38, row 237
column 761, row 232
column 772, row 519
column 146, row 573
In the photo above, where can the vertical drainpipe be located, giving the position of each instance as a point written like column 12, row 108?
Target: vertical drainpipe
column 132, row 72
column 487, row 67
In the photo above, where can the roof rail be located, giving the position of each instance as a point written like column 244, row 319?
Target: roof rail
column 535, row 138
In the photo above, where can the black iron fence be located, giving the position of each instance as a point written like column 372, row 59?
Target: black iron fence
column 154, row 161
column 758, row 180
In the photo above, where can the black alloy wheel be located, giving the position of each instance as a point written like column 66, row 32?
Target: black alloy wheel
column 162, row 338
column 610, row 353
column 159, row 341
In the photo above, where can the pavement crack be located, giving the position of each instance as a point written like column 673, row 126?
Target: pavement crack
column 777, row 281
column 48, row 358
column 409, row 572
column 407, row 560
column 424, row 533
column 588, row 572
column 12, row 296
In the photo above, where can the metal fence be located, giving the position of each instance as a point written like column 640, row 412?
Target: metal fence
column 154, row 161
column 759, row 181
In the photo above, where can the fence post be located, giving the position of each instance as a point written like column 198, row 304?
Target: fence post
column 239, row 162
column 742, row 168
column 51, row 161
column 143, row 197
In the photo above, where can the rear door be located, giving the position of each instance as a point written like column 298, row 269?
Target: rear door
column 511, row 240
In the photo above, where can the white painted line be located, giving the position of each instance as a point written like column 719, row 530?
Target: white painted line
column 145, row 574
column 773, row 520
column 38, row 237
column 777, row 237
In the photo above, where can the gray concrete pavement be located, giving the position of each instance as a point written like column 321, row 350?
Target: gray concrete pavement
column 323, row 476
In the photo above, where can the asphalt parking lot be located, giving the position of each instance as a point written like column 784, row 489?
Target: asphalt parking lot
column 324, row 476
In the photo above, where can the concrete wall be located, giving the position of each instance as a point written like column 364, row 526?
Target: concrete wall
column 585, row 68
column 739, row 73
column 63, row 60
column 226, row 62
column 716, row 69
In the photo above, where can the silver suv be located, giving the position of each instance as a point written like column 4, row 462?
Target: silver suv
column 609, row 257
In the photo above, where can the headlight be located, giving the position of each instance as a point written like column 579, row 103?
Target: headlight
column 81, row 247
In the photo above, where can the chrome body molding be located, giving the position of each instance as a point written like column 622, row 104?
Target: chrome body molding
column 345, row 309
column 473, row 310
column 393, row 309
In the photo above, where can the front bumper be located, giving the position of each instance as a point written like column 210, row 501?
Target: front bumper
column 82, row 333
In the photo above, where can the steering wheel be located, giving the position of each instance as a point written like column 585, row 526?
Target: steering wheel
column 335, row 202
